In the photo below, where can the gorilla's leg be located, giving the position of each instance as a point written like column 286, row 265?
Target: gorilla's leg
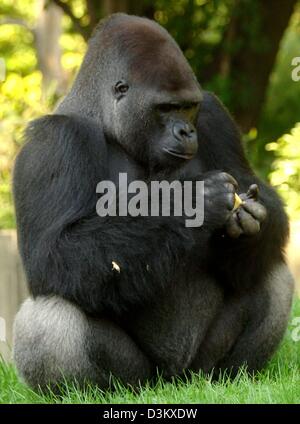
column 250, row 327
column 54, row 340
column 171, row 329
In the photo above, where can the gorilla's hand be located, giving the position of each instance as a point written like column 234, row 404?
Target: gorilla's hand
column 219, row 198
column 248, row 217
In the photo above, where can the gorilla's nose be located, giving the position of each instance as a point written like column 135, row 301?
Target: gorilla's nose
column 184, row 132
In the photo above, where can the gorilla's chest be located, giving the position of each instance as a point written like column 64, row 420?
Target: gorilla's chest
column 120, row 163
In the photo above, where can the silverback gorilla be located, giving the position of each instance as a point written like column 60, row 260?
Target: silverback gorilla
column 209, row 298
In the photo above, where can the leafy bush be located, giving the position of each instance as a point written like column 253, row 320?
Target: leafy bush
column 282, row 106
column 21, row 96
column 285, row 173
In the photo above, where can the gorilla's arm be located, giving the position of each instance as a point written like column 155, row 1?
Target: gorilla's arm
column 242, row 261
column 67, row 249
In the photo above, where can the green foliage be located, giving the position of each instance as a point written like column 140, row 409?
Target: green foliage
column 198, row 27
column 21, row 96
column 20, row 100
column 18, row 94
column 285, row 174
column 282, row 107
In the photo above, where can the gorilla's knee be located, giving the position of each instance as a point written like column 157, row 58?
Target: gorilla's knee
column 268, row 315
column 49, row 342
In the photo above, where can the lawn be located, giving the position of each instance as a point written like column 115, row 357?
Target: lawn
column 278, row 383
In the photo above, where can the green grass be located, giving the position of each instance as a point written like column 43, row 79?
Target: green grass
column 278, row 383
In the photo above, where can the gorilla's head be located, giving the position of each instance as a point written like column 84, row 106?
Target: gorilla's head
column 136, row 81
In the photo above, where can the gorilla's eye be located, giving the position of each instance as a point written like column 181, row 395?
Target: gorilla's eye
column 168, row 107
column 173, row 107
column 120, row 88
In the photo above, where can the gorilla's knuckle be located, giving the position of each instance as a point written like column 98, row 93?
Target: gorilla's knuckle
column 224, row 176
column 229, row 187
column 230, row 199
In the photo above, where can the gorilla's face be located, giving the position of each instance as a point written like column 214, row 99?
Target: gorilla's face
column 153, row 98
column 155, row 125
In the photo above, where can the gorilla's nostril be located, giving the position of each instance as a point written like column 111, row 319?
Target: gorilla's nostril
column 182, row 131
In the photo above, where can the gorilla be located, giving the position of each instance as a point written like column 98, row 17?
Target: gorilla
column 210, row 298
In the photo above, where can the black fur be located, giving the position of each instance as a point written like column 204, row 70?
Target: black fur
column 175, row 282
column 221, row 148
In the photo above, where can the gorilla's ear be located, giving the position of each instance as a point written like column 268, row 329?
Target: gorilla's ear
column 219, row 137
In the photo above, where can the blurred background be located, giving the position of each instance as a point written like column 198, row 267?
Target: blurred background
column 244, row 50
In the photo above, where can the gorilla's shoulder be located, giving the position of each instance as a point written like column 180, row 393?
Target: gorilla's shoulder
column 213, row 111
column 62, row 141
column 212, row 103
column 60, row 127
column 59, row 134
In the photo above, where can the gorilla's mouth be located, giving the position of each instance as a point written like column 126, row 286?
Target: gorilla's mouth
column 186, row 156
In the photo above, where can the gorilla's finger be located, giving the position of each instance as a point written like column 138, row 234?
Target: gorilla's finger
column 232, row 227
column 230, row 187
column 252, row 192
column 230, row 200
column 249, row 225
column 257, row 210
column 243, row 196
column 228, row 178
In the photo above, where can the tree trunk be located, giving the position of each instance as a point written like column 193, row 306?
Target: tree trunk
column 259, row 25
column 47, row 33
